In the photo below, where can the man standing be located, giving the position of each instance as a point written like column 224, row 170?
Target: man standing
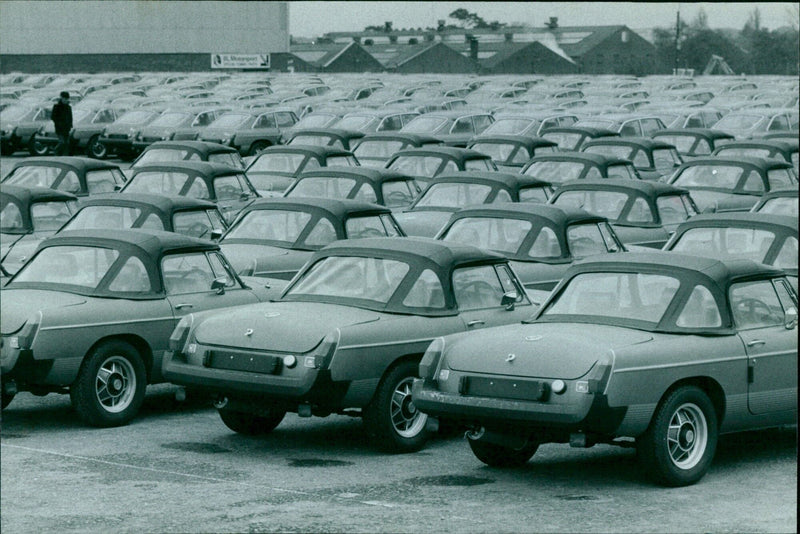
column 62, row 118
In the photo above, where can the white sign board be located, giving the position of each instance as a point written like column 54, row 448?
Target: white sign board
column 239, row 61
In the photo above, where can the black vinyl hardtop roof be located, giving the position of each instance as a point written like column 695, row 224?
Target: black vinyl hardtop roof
column 369, row 174
column 203, row 168
column 646, row 188
column 417, row 139
column 330, row 132
column 640, row 142
column 559, row 216
column 707, row 133
column 600, row 160
column 450, row 151
column 741, row 219
column 508, row 179
column 201, row 147
column 27, row 195
column 591, row 131
column 785, row 145
column 319, row 151
column 763, row 164
column 529, row 141
column 153, row 243
column 163, row 203
column 338, row 208
column 78, row 164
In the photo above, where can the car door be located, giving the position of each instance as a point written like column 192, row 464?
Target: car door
column 479, row 290
column 760, row 312
column 188, row 278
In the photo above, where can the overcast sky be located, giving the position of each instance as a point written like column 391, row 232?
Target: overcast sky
column 311, row 19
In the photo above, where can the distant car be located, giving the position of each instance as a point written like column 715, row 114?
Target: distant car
column 424, row 164
column 379, row 186
column 455, row 190
column 20, row 123
column 375, row 120
column 573, row 137
column 72, row 174
column 693, row 142
column 511, row 152
column 527, row 123
column 561, row 167
column 783, row 201
column 249, row 132
column 275, row 237
column 541, row 241
column 732, row 183
column 88, row 124
column 183, row 215
column 745, row 124
column 117, row 138
column 653, row 159
column 374, row 150
column 761, row 237
column 763, row 148
column 642, row 213
column 346, row 336
column 454, row 128
column 276, row 168
column 626, row 125
column 188, row 122
column 92, row 311
column 224, row 185
column 332, row 137
column 669, row 349
column 29, row 215
column 162, row 151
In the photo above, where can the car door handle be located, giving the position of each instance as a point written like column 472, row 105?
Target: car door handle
column 754, row 342
column 184, row 305
column 476, row 322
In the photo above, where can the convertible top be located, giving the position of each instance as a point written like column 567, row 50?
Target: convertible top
column 152, row 243
column 163, row 203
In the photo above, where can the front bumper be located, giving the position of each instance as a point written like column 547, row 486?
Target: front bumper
column 117, row 144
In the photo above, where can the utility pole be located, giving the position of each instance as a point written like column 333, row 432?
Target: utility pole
column 677, row 39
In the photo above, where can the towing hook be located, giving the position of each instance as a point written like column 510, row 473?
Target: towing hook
column 220, row 402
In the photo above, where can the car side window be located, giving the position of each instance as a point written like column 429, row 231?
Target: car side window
column 322, row 234
column 700, row 310
column 477, row 287
column 366, row 193
column 49, row 215
column 152, row 222
column 640, row 159
column 70, row 183
column 186, row 273
column 449, row 166
column 220, row 269
column 787, row 256
column 10, row 217
column 266, row 121
column 593, row 173
column 702, row 147
column 198, row 189
column 502, row 196
column 640, row 212
column 631, row 129
column 546, row 245
column 756, row 305
column 100, row 182
column 753, row 182
column 427, row 292
column 361, row 227
column 285, row 119
column 463, row 125
column 228, row 188
column 131, row 278
column 779, row 123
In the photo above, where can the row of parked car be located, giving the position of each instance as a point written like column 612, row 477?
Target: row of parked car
column 356, row 292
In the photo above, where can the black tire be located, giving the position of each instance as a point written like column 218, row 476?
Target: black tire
column 499, row 456
column 251, row 424
column 678, row 447
column 6, row 399
column 257, row 147
column 96, row 149
column 37, row 148
column 391, row 417
column 110, row 386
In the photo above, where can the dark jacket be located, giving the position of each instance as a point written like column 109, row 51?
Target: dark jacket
column 62, row 117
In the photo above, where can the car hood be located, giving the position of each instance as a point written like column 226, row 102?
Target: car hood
column 253, row 259
column 716, row 201
column 17, row 305
column 543, row 350
column 295, row 327
column 422, row 223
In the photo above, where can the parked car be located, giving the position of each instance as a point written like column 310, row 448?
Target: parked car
column 375, row 120
column 573, row 137
column 183, row 215
column 224, row 185
column 541, row 241
column 275, row 237
column 424, row 164
column 72, row 174
column 172, row 122
column 374, row 150
column 761, row 237
column 658, row 347
column 88, row 125
column 455, row 190
column 511, row 152
column 745, row 124
column 379, row 186
column 561, row 167
column 527, row 123
column 346, row 335
column 454, row 128
column 20, row 122
column 654, row 160
column 249, row 132
column 29, row 215
column 162, row 151
column 117, row 138
column 276, row 168
column 763, row 148
column 783, row 201
column 693, row 142
column 732, row 183
column 626, row 125
column 643, row 214
column 333, row 137
column 92, row 311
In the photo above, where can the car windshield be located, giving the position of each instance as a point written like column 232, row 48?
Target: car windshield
column 608, row 124
column 81, row 115
column 717, row 176
column 665, row 159
column 609, row 295
column 453, row 195
column 780, row 206
column 162, row 154
column 509, row 126
column 424, row 124
column 341, row 277
column 159, row 182
column 736, row 121
column 287, row 163
column 492, row 233
column 555, row 171
column 564, row 140
column 744, row 151
column 315, row 120
column 617, row 151
column 352, row 122
column 135, row 117
column 323, row 186
column 108, row 217
column 674, row 209
column 607, row 204
column 589, row 239
column 378, row 149
column 82, row 266
column 499, row 152
column 417, row 165
column 726, row 243
column 34, row 176
column 316, row 140
column 230, row 120
column 171, row 119
column 280, row 226
column 683, row 143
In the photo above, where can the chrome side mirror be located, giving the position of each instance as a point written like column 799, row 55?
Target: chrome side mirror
column 219, row 284
column 790, row 318
column 509, row 300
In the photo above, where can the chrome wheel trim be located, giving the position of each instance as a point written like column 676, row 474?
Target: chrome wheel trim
column 407, row 420
column 687, row 436
column 115, row 384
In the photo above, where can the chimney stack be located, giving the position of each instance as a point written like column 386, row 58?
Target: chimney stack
column 473, row 48
column 553, row 24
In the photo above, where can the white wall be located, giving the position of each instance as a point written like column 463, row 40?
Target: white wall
column 142, row 26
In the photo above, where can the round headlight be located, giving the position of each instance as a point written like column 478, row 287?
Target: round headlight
column 289, row 361
column 558, row 386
